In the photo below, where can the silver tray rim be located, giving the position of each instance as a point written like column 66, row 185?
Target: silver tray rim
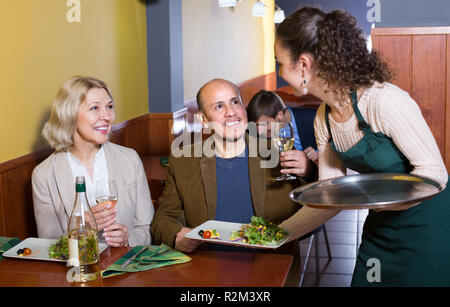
column 295, row 194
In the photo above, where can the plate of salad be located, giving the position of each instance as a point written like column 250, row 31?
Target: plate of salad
column 44, row 249
column 259, row 233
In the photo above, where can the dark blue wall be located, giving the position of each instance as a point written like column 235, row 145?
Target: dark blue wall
column 414, row 13
column 165, row 56
column 357, row 8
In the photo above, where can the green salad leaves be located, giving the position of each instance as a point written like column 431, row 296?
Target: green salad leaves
column 59, row 249
column 260, row 232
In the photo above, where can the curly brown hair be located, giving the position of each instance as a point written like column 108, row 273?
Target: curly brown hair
column 337, row 45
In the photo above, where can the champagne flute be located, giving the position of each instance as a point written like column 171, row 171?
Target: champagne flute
column 283, row 136
column 105, row 192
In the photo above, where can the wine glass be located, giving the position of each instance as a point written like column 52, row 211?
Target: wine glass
column 283, row 137
column 105, row 192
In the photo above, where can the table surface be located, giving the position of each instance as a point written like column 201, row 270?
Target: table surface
column 207, row 268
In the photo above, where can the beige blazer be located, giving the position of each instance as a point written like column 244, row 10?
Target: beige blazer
column 54, row 194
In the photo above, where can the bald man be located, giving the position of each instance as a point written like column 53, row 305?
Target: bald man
column 226, row 184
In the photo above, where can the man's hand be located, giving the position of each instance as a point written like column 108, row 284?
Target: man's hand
column 295, row 162
column 186, row 245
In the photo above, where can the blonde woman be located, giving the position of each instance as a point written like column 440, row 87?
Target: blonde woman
column 79, row 129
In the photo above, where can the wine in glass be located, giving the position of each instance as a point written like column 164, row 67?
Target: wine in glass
column 283, row 136
column 105, row 192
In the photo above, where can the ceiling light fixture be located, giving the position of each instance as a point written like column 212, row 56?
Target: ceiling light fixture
column 227, row 3
column 259, row 9
column 279, row 15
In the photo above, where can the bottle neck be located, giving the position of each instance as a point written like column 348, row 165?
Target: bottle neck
column 80, row 188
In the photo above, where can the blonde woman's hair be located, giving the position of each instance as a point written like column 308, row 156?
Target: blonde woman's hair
column 60, row 129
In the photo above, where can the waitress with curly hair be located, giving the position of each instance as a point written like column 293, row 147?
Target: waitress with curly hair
column 371, row 126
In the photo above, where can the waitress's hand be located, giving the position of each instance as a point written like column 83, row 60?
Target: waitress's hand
column 311, row 154
column 295, row 162
column 116, row 235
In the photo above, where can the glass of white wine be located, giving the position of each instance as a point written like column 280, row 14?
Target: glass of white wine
column 283, row 137
column 105, row 192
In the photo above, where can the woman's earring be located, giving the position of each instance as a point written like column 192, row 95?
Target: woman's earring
column 305, row 89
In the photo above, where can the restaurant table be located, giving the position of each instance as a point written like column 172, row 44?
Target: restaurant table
column 206, row 269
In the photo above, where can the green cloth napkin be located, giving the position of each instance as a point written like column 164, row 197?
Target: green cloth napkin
column 155, row 256
column 7, row 243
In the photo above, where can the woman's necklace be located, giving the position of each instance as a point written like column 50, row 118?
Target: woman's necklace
column 342, row 112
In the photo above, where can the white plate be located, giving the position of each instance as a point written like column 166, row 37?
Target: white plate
column 225, row 229
column 39, row 249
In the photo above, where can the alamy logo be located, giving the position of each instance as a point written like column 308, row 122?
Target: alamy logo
column 74, row 13
column 74, row 274
column 374, row 13
column 374, row 273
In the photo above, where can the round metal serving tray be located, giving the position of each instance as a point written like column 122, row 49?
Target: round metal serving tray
column 367, row 191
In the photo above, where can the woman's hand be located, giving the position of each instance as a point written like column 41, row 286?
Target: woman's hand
column 184, row 244
column 294, row 162
column 311, row 154
column 116, row 235
column 104, row 214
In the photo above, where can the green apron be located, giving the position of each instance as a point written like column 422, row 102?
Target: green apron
column 412, row 246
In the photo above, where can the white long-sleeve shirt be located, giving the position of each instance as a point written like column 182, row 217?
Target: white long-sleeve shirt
column 391, row 111
column 100, row 173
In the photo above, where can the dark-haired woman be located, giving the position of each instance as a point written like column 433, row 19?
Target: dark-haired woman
column 369, row 125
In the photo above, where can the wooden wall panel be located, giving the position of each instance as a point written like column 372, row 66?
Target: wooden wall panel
column 159, row 134
column 249, row 88
column 18, row 204
column 425, row 65
column 286, row 93
column 137, row 137
column 447, row 109
column 375, row 42
column 428, row 82
column 134, row 134
column 398, row 48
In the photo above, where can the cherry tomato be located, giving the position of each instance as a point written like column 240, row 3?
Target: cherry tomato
column 27, row 251
column 207, row 234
